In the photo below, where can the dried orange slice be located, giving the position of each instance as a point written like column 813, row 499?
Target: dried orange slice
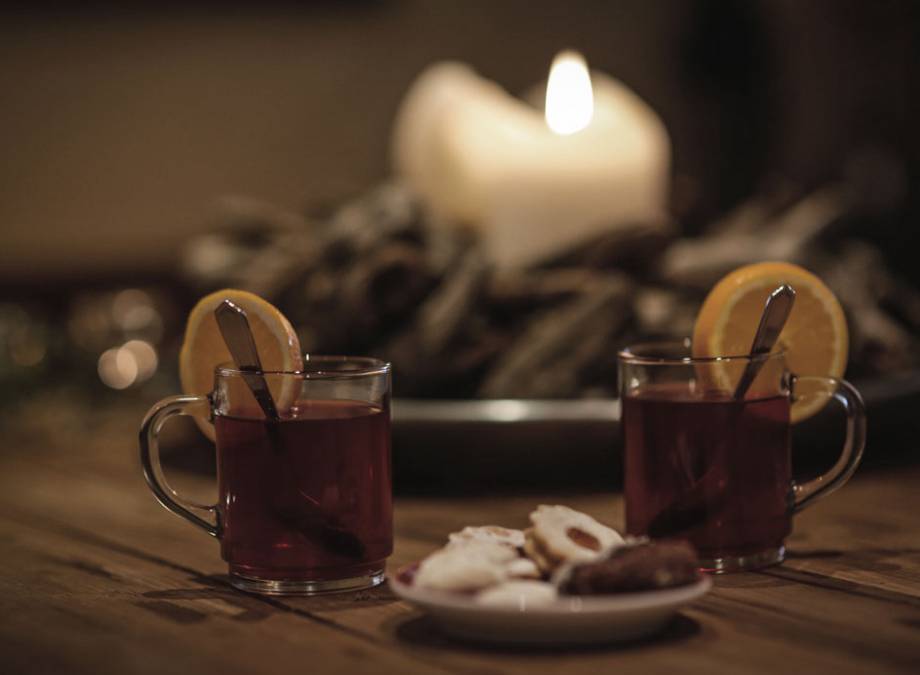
column 203, row 348
column 815, row 337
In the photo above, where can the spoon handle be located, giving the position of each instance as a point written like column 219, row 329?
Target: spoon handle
column 234, row 327
column 775, row 312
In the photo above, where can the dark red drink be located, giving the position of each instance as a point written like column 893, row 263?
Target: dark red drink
column 707, row 468
column 307, row 497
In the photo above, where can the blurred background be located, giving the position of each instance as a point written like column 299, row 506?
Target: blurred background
column 156, row 151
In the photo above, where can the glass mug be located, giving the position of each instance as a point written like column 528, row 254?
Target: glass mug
column 716, row 471
column 304, row 502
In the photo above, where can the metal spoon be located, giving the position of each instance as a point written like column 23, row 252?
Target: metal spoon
column 234, row 327
column 775, row 312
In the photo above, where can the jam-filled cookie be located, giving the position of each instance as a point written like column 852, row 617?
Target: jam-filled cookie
column 562, row 535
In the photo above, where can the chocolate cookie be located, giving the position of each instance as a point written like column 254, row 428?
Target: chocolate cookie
column 640, row 567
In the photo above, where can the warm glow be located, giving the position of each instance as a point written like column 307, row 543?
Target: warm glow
column 132, row 363
column 117, row 368
column 144, row 355
column 569, row 99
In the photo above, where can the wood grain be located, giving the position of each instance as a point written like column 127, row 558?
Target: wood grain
column 99, row 579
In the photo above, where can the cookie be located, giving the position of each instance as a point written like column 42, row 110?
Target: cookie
column 523, row 568
column 471, row 567
column 518, row 595
column 562, row 535
column 535, row 553
column 639, row 567
column 488, row 533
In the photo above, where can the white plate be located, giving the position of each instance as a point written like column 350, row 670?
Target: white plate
column 570, row 620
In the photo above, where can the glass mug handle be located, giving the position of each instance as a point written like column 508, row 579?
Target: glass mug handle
column 150, row 460
column 806, row 494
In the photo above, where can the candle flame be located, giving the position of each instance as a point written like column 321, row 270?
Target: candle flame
column 569, row 97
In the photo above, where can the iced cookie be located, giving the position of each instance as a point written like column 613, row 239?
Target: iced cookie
column 563, row 535
column 523, row 568
column 518, row 594
column 471, row 567
column 488, row 533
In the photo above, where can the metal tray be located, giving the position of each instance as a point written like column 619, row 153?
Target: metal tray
column 451, row 446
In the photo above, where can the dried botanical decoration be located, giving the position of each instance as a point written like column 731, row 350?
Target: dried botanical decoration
column 380, row 277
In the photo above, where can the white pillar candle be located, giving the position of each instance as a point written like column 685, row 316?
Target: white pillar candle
column 482, row 158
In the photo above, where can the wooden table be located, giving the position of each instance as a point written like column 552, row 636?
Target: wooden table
column 97, row 578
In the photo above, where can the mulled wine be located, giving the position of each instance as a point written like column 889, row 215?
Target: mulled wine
column 306, row 497
column 707, row 468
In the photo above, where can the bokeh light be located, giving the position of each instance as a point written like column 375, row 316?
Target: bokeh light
column 144, row 355
column 117, row 368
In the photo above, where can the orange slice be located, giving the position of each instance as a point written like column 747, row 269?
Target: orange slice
column 203, row 348
column 815, row 337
